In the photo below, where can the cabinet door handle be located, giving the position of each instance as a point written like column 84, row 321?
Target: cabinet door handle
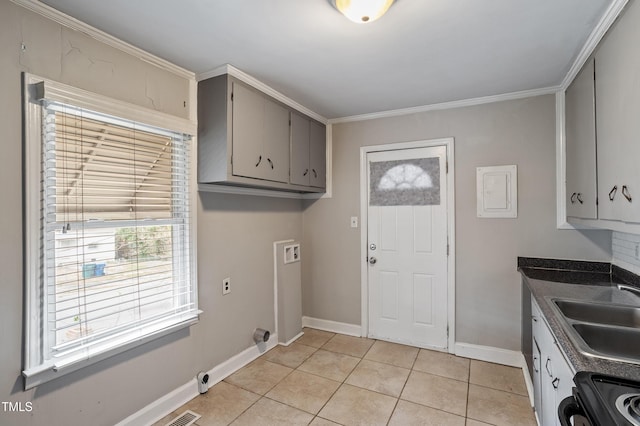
column 555, row 383
column 573, row 198
column 612, row 193
column 270, row 163
column 306, row 172
column 625, row 192
column 546, row 367
column 579, row 197
column 259, row 161
column 315, row 174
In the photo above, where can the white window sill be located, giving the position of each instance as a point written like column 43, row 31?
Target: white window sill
column 63, row 365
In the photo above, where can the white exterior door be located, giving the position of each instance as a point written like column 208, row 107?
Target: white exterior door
column 407, row 246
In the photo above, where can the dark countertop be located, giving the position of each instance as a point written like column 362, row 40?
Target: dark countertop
column 576, row 283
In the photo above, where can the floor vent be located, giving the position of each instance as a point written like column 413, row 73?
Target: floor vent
column 185, row 419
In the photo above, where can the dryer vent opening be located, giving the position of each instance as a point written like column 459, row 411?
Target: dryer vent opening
column 261, row 336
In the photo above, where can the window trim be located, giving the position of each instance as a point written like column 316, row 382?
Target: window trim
column 34, row 89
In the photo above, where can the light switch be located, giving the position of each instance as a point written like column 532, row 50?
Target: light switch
column 354, row 221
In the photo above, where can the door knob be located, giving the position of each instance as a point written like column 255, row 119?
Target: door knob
column 372, row 260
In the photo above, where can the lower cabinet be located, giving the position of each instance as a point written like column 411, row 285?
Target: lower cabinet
column 552, row 375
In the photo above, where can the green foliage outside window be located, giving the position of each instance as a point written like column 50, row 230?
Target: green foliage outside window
column 149, row 242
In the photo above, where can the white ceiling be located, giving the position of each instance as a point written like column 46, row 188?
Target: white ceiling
column 421, row 52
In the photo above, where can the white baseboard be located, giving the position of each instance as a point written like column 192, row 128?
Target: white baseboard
column 332, row 326
column 162, row 406
column 527, row 380
column 233, row 364
column 497, row 356
column 489, row 354
column 180, row 396
column 296, row 337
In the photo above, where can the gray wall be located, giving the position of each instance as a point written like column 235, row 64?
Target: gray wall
column 520, row 132
column 235, row 236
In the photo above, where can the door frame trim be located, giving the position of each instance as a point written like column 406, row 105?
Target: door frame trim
column 448, row 143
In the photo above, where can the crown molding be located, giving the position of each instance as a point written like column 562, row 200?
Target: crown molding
column 607, row 20
column 448, row 105
column 254, row 82
column 77, row 25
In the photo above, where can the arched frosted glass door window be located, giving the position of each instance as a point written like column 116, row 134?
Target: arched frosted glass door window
column 405, row 182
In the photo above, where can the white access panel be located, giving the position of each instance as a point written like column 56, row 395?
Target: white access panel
column 288, row 275
column 497, row 191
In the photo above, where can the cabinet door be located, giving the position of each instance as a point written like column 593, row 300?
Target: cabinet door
column 581, row 145
column 618, row 126
column 317, row 155
column 300, row 171
column 561, row 382
column 276, row 142
column 564, row 374
column 555, row 378
column 247, row 128
column 548, row 374
column 537, row 358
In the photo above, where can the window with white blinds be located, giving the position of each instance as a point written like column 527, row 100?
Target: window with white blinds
column 115, row 247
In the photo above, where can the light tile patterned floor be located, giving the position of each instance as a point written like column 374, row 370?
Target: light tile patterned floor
column 331, row 379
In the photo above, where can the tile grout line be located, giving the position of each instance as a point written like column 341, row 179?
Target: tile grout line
column 466, row 408
column 270, row 389
column 500, row 390
column 261, row 395
column 343, row 381
column 398, row 398
column 403, row 386
column 346, row 378
column 283, row 379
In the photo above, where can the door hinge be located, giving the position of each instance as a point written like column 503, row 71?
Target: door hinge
column 446, row 166
column 447, row 249
column 447, row 332
column 231, row 96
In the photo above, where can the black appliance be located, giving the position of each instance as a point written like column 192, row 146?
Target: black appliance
column 601, row 400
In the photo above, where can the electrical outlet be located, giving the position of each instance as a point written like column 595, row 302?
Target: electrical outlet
column 226, row 286
column 354, row 221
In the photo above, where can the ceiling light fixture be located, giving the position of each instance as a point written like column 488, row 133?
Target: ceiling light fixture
column 363, row 11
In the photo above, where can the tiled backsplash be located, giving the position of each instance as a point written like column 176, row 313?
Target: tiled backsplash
column 624, row 248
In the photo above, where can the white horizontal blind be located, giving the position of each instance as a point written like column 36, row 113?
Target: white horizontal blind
column 116, row 249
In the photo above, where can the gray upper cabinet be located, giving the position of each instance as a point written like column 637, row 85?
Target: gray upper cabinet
column 581, row 145
column 317, row 154
column 308, row 151
column 247, row 132
column 260, row 136
column 299, row 149
column 618, row 125
column 275, row 142
column 246, row 138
